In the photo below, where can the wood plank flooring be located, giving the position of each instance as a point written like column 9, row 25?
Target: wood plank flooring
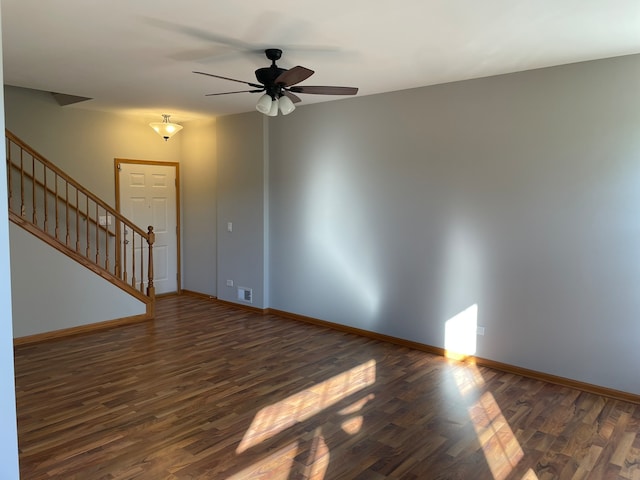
column 209, row 391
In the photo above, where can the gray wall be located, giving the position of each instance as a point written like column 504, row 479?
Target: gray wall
column 198, row 170
column 241, row 200
column 53, row 292
column 518, row 194
column 8, row 430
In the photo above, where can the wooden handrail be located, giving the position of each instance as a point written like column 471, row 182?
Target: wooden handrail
column 67, row 178
column 45, row 189
column 61, row 199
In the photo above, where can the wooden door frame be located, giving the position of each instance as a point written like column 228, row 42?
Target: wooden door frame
column 116, row 170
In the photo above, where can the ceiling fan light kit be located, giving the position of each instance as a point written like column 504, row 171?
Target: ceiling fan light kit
column 264, row 104
column 286, row 105
column 273, row 111
column 270, row 106
column 166, row 129
column 278, row 86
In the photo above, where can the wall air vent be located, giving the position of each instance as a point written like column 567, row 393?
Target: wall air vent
column 245, row 294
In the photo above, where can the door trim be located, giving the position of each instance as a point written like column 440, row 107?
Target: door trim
column 116, row 163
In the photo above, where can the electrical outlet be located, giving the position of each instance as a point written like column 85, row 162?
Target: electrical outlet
column 229, row 283
column 104, row 220
column 480, row 330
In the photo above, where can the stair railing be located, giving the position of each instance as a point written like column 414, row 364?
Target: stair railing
column 53, row 206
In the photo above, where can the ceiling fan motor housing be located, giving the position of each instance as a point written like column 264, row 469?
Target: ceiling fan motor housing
column 267, row 76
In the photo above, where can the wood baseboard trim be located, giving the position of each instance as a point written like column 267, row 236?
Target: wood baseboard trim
column 562, row 381
column 503, row 367
column 92, row 327
column 358, row 331
column 204, row 296
column 243, row 306
column 170, row 294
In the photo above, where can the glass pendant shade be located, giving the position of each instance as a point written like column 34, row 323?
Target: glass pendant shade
column 165, row 128
column 273, row 111
column 264, row 104
column 286, row 105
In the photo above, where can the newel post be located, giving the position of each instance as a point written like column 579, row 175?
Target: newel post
column 151, row 290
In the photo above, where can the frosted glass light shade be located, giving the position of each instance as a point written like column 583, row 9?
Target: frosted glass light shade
column 286, row 105
column 264, row 104
column 165, row 128
column 274, row 108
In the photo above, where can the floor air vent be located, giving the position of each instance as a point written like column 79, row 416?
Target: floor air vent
column 245, row 294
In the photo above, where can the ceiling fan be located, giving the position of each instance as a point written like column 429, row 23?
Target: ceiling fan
column 280, row 86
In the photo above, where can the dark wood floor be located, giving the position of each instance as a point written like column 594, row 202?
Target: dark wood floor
column 208, row 391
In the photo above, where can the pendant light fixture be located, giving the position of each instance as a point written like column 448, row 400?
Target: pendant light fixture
column 286, row 106
column 264, row 104
column 270, row 105
column 273, row 111
column 166, row 129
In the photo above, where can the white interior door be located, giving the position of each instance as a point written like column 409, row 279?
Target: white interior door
column 148, row 197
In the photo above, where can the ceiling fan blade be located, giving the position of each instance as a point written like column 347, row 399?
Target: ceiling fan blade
column 205, row 35
column 292, row 97
column 238, row 91
column 325, row 90
column 293, row 75
column 232, row 79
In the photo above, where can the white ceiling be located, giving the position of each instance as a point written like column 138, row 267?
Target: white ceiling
column 136, row 56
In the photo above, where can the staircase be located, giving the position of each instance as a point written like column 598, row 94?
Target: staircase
column 55, row 208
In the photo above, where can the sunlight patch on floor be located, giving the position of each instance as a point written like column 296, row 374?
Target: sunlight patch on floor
column 501, row 448
column 277, row 417
column 352, row 425
column 319, row 457
column 276, row 466
column 530, row 475
column 468, row 378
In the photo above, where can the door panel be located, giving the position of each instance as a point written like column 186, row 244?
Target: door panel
column 148, row 197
